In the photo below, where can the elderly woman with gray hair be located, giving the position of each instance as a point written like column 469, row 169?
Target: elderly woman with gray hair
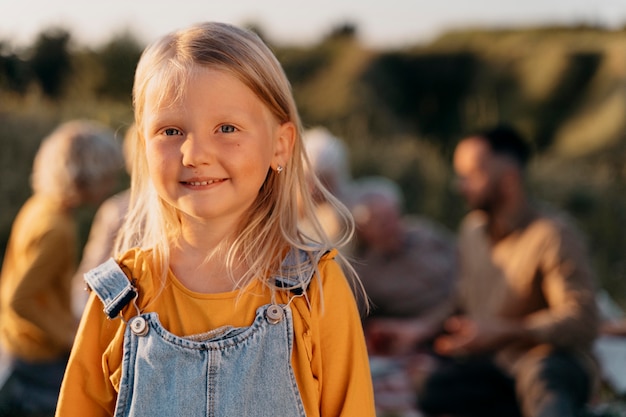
column 77, row 164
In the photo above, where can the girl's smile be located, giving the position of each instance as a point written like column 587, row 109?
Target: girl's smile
column 196, row 183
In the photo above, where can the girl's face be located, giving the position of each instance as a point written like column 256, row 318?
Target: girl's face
column 209, row 153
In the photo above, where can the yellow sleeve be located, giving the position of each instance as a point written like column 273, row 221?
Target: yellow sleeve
column 87, row 389
column 340, row 359
column 48, row 267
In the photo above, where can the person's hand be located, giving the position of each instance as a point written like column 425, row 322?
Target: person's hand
column 465, row 336
column 396, row 337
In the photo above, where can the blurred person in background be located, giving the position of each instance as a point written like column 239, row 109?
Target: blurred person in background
column 406, row 263
column 523, row 343
column 408, row 267
column 77, row 164
column 329, row 162
column 104, row 229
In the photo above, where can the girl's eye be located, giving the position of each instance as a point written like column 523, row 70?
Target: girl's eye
column 171, row 131
column 227, row 129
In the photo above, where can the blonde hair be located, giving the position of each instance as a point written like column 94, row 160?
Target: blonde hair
column 128, row 147
column 74, row 160
column 270, row 227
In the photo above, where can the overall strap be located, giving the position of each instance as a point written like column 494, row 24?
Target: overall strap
column 297, row 270
column 112, row 286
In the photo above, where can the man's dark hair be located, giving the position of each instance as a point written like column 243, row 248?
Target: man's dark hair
column 506, row 140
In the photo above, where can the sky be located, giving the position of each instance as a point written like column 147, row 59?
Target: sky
column 380, row 23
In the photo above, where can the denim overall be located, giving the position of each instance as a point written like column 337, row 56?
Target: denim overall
column 230, row 371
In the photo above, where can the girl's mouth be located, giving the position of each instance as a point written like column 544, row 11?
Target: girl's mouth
column 201, row 183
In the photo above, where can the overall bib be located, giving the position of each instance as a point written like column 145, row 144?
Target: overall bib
column 229, row 371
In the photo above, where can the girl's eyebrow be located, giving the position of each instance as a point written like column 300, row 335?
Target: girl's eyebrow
column 163, row 116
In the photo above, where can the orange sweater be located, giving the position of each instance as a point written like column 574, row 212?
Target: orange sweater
column 36, row 320
column 329, row 355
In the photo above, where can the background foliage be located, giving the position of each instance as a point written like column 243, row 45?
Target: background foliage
column 400, row 112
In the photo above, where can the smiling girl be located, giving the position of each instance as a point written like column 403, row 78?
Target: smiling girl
column 219, row 304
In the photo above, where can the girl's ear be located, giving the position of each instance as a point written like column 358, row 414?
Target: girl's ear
column 284, row 144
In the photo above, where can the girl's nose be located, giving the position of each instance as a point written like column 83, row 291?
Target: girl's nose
column 195, row 151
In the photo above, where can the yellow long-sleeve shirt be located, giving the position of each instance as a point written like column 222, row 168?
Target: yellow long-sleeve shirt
column 36, row 320
column 329, row 356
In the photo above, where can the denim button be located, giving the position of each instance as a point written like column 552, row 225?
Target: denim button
column 274, row 314
column 139, row 326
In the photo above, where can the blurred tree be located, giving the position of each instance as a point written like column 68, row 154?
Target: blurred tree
column 14, row 71
column 426, row 91
column 51, row 61
column 303, row 64
column 566, row 97
column 118, row 58
column 346, row 30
